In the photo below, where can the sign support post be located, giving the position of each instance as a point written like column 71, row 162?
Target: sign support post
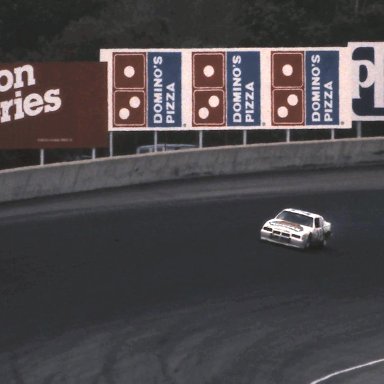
column 358, row 129
column 245, row 137
column 288, row 135
column 42, row 156
column 111, row 144
column 200, row 139
column 155, row 140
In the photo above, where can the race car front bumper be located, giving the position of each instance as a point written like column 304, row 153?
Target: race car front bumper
column 281, row 237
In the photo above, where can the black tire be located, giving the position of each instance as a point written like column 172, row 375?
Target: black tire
column 323, row 243
column 325, row 240
column 308, row 242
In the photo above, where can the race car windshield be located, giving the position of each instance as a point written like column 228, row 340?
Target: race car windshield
column 296, row 218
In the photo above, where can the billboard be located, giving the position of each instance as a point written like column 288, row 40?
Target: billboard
column 164, row 83
column 367, row 79
column 243, row 79
column 309, row 88
column 53, row 105
column 239, row 88
column 146, row 90
column 226, row 89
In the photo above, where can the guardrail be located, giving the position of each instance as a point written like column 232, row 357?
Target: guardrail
column 57, row 179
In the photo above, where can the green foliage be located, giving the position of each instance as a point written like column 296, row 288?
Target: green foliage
column 77, row 29
column 312, row 22
column 25, row 25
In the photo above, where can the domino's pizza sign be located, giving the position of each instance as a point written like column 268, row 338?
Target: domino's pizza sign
column 144, row 89
column 129, row 90
column 243, row 79
column 164, row 89
column 305, row 88
column 323, row 87
column 226, row 88
column 208, row 89
column 367, row 61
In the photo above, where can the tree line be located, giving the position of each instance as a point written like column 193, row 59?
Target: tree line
column 76, row 29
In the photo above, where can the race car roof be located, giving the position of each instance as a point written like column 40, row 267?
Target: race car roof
column 310, row 214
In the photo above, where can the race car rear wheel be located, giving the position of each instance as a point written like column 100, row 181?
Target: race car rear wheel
column 324, row 242
column 308, row 242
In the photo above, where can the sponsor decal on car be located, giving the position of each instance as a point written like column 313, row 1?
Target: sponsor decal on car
column 287, row 224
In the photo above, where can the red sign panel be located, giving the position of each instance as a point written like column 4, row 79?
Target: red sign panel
column 288, row 88
column 208, row 72
column 53, row 105
column 129, row 90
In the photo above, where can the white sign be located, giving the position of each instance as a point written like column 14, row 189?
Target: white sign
column 367, row 79
column 228, row 88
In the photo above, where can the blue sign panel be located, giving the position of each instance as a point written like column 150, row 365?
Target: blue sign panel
column 243, row 88
column 164, row 89
column 322, row 87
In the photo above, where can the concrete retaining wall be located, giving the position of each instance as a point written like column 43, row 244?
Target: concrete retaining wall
column 57, row 179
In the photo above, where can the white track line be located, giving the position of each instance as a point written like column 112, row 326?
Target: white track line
column 347, row 370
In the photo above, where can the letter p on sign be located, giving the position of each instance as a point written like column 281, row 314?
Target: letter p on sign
column 367, row 81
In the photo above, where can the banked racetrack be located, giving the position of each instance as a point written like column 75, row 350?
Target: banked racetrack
column 169, row 283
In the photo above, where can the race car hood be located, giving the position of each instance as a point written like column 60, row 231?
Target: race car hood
column 287, row 225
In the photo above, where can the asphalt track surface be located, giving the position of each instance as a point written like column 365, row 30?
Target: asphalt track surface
column 169, row 283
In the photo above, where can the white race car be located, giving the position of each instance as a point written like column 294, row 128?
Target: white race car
column 297, row 228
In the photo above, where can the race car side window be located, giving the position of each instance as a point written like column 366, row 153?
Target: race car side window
column 317, row 222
